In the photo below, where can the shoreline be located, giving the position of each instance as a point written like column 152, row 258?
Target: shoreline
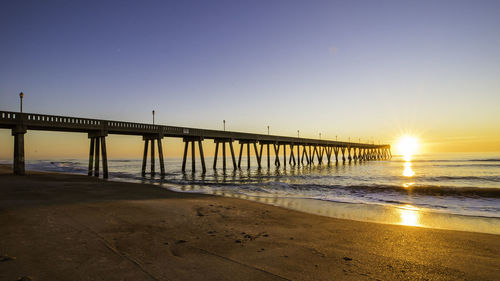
column 410, row 215
column 60, row 226
column 373, row 213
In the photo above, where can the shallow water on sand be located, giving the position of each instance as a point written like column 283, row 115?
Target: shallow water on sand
column 451, row 191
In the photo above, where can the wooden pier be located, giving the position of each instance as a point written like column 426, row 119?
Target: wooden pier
column 301, row 151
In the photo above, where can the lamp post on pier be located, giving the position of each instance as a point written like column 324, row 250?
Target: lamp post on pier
column 319, row 135
column 224, row 124
column 153, row 117
column 268, row 130
column 298, row 133
column 21, row 96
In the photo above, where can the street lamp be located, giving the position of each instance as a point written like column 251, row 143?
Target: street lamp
column 21, row 96
column 224, row 123
column 319, row 135
column 268, row 130
column 335, row 138
column 298, row 133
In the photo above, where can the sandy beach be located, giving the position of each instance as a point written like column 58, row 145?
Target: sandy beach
column 71, row 227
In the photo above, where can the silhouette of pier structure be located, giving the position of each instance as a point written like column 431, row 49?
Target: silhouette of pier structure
column 302, row 151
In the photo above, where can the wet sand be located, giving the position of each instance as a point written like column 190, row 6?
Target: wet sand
column 71, row 227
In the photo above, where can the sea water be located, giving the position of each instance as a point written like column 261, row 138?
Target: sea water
column 450, row 191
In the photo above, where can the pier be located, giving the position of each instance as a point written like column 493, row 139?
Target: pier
column 298, row 151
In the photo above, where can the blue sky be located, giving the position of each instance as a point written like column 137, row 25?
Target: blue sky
column 349, row 68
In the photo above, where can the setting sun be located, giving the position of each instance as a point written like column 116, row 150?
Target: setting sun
column 407, row 145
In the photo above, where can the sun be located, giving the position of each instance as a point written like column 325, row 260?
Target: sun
column 407, row 146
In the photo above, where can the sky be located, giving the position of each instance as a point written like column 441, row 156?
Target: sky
column 359, row 70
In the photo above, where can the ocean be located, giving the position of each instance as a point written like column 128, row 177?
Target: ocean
column 447, row 191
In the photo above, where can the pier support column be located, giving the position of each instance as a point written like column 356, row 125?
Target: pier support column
column 223, row 142
column 311, row 156
column 298, row 154
column 248, row 155
column 292, row 156
column 268, row 157
column 152, row 157
column 104, row 158
column 247, row 143
column 160, row 155
column 192, row 141
column 91, row 156
column 19, row 162
column 277, row 154
column 151, row 139
column 97, row 149
column 314, row 152
column 304, row 154
column 257, row 155
column 241, row 153
column 328, row 154
column 224, row 155
column 284, row 155
column 343, row 153
column 232, row 154
column 336, row 151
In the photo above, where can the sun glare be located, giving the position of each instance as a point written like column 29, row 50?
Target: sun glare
column 409, row 215
column 407, row 146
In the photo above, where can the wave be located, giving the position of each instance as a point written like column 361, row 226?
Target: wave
column 485, row 160
column 431, row 190
column 356, row 190
column 469, row 178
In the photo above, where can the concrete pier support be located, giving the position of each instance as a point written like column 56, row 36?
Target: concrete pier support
column 192, row 141
column 151, row 139
column 291, row 158
column 258, row 155
column 223, row 143
column 311, row 156
column 328, row 154
column 19, row 162
column 336, row 151
column 242, row 145
column 97, row 149
column 343, row 153
column 268, row 157
column 304, row 155
column 284, row 155
column 319, row 154
column 314, row 152
column 277, row 154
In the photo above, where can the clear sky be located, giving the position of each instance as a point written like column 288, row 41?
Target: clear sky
column 357, row 69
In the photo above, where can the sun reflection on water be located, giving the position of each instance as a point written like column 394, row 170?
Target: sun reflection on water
column 408, row 171
column 409, row 215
